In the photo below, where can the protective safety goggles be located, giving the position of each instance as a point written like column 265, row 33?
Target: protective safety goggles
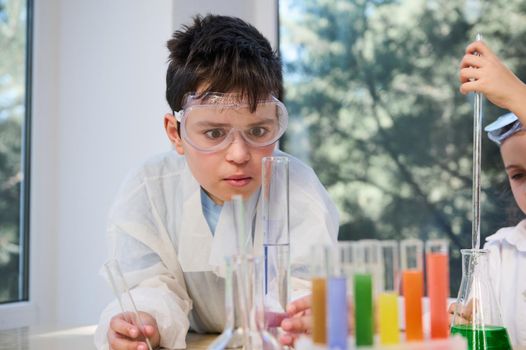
column 504, row 127
column 209, row 122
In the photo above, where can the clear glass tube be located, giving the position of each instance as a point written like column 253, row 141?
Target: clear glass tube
column 124, row 297
column 244, row 308
column 437, row 279
column 276, row 241
column 387, row 301
column 413, row 287
column 477, row 315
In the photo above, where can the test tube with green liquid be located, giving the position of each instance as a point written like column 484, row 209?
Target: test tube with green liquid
column 387, row 301
column 367, row 271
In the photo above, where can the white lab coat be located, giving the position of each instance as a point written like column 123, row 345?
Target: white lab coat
column 507, row 261
column 171, row 259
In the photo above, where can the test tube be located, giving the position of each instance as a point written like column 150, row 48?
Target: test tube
column 437, row 276
column 388, row 326
column 276, row 240
column 367, row 270
column 124, row 297
column 319, row 271
column 343, row 256
column 413, row 287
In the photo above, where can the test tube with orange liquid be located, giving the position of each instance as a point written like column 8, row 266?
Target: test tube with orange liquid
column 387, row 301
column 437, row 276
column 319, row 271
column 412, row 287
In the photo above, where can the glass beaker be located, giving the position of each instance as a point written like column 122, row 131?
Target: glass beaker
column 244, row 309
column 477, row 315
column 276, row 239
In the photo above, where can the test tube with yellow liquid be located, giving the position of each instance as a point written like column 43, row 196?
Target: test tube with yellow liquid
column 412, row 287
column 387, row 301
column 319, row 271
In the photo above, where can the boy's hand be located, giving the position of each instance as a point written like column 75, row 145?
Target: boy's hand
column 123, row 334
column 485, row 73
column 464, row 315
column 299, row 320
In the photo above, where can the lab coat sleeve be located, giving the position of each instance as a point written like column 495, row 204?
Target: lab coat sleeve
column 142, row 246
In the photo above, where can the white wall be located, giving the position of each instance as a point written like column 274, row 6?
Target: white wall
column 98, row 103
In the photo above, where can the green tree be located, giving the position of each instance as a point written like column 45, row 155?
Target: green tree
column 372, row 90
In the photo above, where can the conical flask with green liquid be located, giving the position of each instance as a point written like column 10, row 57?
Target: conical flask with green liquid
column 477, row 315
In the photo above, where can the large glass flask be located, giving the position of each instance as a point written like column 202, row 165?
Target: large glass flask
column 275, row 196
column 244, row 309
column 477, row 315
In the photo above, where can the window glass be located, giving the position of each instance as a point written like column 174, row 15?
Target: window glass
column 373, row 95
column 13, row 147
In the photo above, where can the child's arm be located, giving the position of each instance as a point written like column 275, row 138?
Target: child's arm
column 487, row 74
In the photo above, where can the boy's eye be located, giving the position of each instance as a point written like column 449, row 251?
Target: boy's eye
column 517, row 176
column 214, row 133
column 258, row 131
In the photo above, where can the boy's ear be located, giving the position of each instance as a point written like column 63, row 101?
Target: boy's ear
column 170, row 126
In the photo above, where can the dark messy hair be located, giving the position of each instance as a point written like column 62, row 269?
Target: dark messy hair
column 223, row 54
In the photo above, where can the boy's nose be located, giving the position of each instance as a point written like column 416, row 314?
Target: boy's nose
column 238, row 151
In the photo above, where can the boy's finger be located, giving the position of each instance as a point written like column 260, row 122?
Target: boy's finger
column 469, row 74
column 472, row 61
column 469, row 86
column 124, row 328
column 299, row 305
column 297, row 324
column 118, row 342
column 480, row 47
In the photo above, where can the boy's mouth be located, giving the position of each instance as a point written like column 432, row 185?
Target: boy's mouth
column 238, row 180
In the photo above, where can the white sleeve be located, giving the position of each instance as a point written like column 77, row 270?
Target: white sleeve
column 142, row 246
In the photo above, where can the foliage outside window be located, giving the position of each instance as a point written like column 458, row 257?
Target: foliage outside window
column 13, row 189
column 372, row 91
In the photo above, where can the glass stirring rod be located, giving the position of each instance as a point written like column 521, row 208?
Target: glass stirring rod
column 122, row 292
column 477, row 142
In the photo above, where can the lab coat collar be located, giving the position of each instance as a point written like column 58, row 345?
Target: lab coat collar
column 198, row 249
column 515, row 236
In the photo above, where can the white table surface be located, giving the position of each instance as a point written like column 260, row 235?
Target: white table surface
column 72, row 338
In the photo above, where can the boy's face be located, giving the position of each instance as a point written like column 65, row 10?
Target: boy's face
column 224, row 173
column 513, row 152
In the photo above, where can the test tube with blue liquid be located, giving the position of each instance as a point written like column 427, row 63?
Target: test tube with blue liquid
column 276, row 241
column 338, row 286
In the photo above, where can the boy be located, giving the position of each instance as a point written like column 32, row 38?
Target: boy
column 172, row 224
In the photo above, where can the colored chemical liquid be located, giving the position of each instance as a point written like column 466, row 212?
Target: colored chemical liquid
column 363, row 309
column 388, row 318
column 413, row 287
column 488, row 338
column 319, row 302
column 337, row 315
column 437, row 291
